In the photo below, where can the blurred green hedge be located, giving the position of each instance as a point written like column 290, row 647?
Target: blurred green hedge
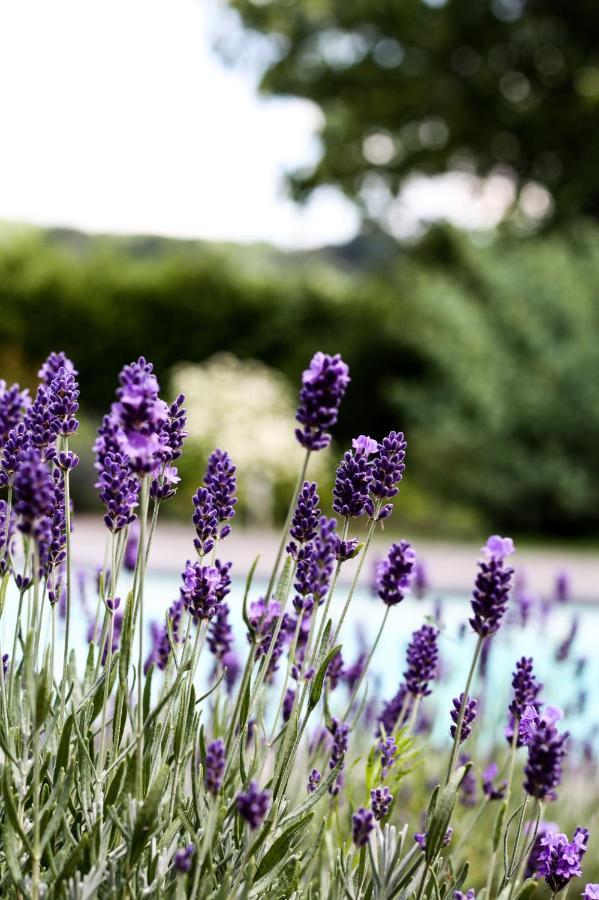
column 486, row 355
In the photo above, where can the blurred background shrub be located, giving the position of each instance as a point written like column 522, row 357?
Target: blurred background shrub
column 484, row 352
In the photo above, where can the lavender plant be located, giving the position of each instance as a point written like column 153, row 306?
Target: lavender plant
column 125, row 775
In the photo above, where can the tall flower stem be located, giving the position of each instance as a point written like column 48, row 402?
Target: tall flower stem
column 508, row 793
column 325, row 612
column 283, row 541
column 145, row 489
column 356, row 689
column 67, row 624
column 356, row 574
column 458, row 732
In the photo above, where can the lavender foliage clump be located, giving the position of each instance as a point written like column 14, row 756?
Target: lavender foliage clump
column 323, row 387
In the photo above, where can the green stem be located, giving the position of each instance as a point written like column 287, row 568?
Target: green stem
column 356, row 574
column 366, row 665
column 67, row 625
column 327, row 605
column 145, row 488
column 283, row 541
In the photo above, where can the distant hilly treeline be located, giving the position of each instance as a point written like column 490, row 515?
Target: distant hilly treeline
column 487, row 356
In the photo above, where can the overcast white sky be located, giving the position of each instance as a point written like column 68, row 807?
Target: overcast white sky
column 117, row 116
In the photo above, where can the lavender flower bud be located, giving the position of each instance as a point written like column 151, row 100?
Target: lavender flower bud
column 62, row 403
column 422, row 658
column 362, row 825
column 220, row 635
column 221, row 482
column 562, row 587
column 468, row 718
column 173, row 434
column 381, row 799
column 492, row 587
column 323, row 386
column 205, row 519
column 199, row 591
column 253, row 805
column 313, row 781
column 469, row 895
column 352, row 481
column 388, row 749
column 559, row 860
column 183, row 859
column 543, row 770
column 305, row 516
column 395, row 572
column 14, row 446
column 388, row 468
column 119, row 490
column 335, row 670
column 214, row 766
column 288, row 702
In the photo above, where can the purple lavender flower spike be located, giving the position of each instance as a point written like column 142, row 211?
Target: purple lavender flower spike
column 323, row 386
column 387, row 472
column 492, row 587
column 62, row 402
column 14, row 447
column 352, row 481
column 362, row 825
column 173, row 434
column 340, row 733
column 288, row 702
column 221, row 482
column 468, row 792
column 41, row 425
column 335, row 670
column 559, row 860
column 165, row 485
column 526, row 691
column 119, row 491
column 7, row 530
column 469, row 895
column 313, row 781
column 253, row 805
column 161, row 643
column 422, row 658
column 397, row 706
column 543, row 770
column 220, row 634
column 562, row 587
column 490, row 789
column 52, row 366
column 140, row 416
column 200, row 590
column 381, row 799
column 205, row 519
column 394, row 573
column 532, row 864
column 468, row 719
column 34, row 491
column 13, row 404
column 184, row 858
column 420, row 583
column 563, row 651
column 305, row 517
column 232, row 667
column 421, row 837
column 388, row 749
column 214, row 768
column 591, row 892
column 353, row 673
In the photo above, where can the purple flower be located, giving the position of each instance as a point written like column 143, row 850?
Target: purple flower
column 200, row 590
column 469, row 895
column 526, row 690
column 362, row 823
column 345, row 550
column 7, row 530
column 353, row 673
column 221, row 482
column 252, row 805
column 559, row 860
column 119, row 490
column 394, row 573
column 532, row 863
column 14, row 447
column 340, row 732
column 220, row 635
column 323, row 386
column 52, row 366
column 305, row 517
column 468, row 792
column 422, row 659
column 41, row 425
column 183, row 859
column 172, row 434
column 13, row 404
column 591, row 892
column 381, row 799
column 34, row 491
column 492, row 587
column 421, row 837
column 313, row 781
column 388, row 749
column 562, row 587
column 387, row 471
column 262, row 617
column 563, row 651
column 490, row 789
column 214, row 766
column 232, row 667
column 62, row 403
column 288, row 702
column 352, row 481
column 5, row 664
column 140, row 415
column 420, row 583
column 543, row 770
column 335, row 670
column 468, row 718
column 205, row 519
column 164, row 486
column 315, row 564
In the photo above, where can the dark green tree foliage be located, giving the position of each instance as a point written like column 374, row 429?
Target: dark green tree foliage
column 487, row 357
column 475, row 84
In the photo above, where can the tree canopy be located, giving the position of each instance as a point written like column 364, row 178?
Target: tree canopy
column 408, row 86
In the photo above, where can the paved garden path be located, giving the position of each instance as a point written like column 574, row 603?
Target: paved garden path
column 450, row 566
